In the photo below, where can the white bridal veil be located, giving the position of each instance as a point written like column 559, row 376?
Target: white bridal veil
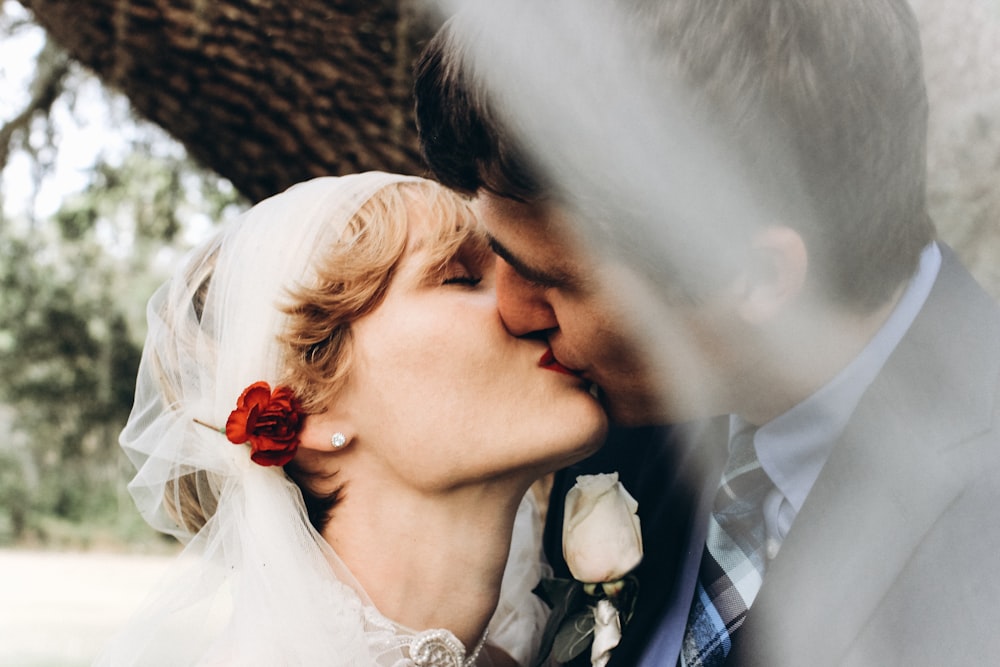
column 257, row 585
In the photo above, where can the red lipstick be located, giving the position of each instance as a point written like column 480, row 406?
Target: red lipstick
column 548, row 362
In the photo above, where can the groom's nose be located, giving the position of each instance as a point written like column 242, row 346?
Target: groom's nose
column 524, row 305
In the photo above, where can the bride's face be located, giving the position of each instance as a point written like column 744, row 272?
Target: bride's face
column 443, row 394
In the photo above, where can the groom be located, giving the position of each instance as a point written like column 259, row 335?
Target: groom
column 836, row 373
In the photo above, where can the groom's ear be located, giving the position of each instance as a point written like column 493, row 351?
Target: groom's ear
column 775, row 273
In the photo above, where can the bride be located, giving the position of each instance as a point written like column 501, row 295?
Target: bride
column 331, row 416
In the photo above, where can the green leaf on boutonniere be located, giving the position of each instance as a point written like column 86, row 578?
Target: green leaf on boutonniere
column 566, row 598
column 574, row 637
column 559, row 593
column 570, row 628
column 625, row 600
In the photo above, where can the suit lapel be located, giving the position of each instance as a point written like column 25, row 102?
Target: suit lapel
column 677, row 526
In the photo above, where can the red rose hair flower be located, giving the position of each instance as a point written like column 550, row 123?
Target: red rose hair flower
column 269, row 421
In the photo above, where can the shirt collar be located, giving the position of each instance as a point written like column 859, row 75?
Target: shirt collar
column 793, row 447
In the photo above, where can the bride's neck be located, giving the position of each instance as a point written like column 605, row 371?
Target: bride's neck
column 427, row 561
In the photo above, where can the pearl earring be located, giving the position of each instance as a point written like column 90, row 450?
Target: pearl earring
column 338, row 440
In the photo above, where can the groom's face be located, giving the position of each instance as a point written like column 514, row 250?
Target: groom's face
column 549, row 286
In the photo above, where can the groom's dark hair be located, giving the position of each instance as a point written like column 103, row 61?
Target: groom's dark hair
column 462, row 141
column 840, row 80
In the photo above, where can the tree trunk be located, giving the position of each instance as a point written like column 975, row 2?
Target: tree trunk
column 264, row 92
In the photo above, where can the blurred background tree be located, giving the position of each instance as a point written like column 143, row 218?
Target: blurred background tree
column 962, row 64
column 76, row 267
column 209, row 105
column 264, row 92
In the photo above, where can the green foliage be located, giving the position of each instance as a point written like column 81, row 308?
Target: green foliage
column 73, row 287
column 68, row 363
column 70, row 338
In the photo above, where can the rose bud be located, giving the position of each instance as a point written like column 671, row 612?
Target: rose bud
column 601, row 537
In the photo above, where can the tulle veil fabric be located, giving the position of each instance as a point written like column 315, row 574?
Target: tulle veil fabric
column 257, row 585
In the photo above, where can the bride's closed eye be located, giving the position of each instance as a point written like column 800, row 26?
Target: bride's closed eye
column 465, row 268
column 462, row 279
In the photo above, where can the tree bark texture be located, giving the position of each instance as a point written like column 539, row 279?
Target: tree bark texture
column 265, row 92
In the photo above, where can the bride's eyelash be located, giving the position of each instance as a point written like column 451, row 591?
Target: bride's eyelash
column 462, row 280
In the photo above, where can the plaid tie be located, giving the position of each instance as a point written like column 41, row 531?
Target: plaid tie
column 732, row 564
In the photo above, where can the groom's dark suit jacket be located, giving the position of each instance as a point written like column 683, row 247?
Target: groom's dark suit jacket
column 894, row 557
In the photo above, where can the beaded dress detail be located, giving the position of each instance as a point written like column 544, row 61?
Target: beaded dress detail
column 396, row 646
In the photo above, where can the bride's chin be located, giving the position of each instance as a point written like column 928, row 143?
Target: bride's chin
column 586, row 445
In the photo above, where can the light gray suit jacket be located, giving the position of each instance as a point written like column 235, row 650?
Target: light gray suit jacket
column 894, row 558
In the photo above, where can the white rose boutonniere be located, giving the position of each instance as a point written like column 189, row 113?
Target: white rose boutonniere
column 602, row 544
column 601, row 537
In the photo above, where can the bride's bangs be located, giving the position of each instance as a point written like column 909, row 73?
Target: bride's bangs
column 451, row 225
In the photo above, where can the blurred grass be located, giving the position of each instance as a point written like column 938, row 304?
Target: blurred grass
column 123, row 535
column 60, row 608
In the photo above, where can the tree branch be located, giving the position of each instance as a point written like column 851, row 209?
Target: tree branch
column 52, row 66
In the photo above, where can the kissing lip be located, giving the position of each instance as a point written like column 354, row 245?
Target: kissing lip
column 549, row 362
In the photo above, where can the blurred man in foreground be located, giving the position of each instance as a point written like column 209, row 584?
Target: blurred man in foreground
column 831, row 496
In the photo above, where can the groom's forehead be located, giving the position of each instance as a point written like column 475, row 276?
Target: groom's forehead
column 516, row 225
column 538, row 242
